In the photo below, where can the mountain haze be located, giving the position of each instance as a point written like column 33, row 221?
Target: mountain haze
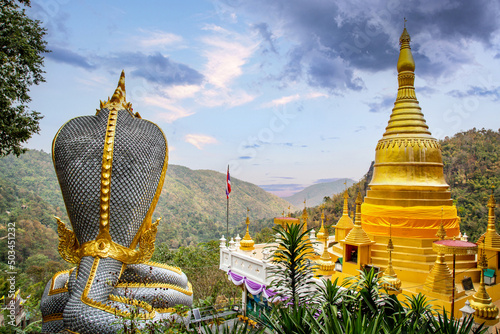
column 314, row 194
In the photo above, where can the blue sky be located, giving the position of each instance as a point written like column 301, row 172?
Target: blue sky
column 286, row 92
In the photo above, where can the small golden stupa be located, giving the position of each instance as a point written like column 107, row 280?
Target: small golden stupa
column 391, row 281
column 439, row 282
column 321, row 235
column 481, row 302
column 326, row 265
column 304, row 217
column 490, row 238
column 345, row 224
column 247, row 244
column 356, row 245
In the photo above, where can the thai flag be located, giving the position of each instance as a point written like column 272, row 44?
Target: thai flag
column 228, row 183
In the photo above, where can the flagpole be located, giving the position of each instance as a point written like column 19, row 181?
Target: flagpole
column 227, row 218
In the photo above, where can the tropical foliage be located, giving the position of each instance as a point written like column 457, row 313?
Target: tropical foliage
column 21, row 61
column 292, row 269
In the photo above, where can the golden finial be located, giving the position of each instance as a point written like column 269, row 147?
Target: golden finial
column 405, row 61
column 359, row 200
column 118, row 100
column 491, row 202
column 247, row 244
column 441, row 233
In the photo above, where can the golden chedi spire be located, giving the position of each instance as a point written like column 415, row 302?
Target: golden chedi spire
column 326, row 265
column 391, row 281
column 304, row 216
column 321, row 235
column 408, row 169
column 491, row 238
column 345, row 224
column 357, row 236
column 247, row 243
column 481, row 302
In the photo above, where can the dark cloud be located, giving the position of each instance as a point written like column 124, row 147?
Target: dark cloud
column 154, row 68
column 383, row 104
column 266, row 34
column 245, row 157
column 159, row 69
column 494, row 94
column 330, row 39
column 360, row 128
column 69, row 57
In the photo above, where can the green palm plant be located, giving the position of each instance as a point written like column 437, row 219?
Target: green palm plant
column 292, row 269
column 445, row 325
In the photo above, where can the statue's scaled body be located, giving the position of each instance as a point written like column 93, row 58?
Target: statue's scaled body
column 111, row 169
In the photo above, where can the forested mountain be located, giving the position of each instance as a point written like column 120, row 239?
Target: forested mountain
column 192, row 203
column 315, row 193
column 471, row 168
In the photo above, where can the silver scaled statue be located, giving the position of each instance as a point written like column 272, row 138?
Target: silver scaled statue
column 111, row 169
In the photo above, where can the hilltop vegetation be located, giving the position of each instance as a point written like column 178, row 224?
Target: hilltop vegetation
column 471, row 168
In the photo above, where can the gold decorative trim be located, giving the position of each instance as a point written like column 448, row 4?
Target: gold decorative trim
column 405, row 142
column 187, row 292
column 68, row 244
column 130, row 301
column 165, row 310
column 164, row 266
column 118, row 100
column 53, row 291
column 103, row 248
column 52, row 317
column 107, row 308
column 70, row 331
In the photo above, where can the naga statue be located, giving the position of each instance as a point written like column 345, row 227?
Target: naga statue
column 111, row 169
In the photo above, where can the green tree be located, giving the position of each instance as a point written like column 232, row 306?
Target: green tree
column 21, row 61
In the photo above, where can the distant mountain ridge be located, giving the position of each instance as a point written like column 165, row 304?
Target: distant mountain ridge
column 315, row 193
column 192, row 203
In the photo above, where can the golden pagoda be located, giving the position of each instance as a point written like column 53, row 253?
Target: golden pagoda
column 344, row 225
column 439, row 282
column 247, row 243
column 391, row 281
column 485, row 310
column 321, row 235
column 490, row 238
column 356, row 245
column 408, row 193
column 325, row 264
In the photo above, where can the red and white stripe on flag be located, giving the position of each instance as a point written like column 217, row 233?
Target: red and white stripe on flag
column 228, row 183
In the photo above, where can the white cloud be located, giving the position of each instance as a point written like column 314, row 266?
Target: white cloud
column 157, row 39
column 174, row 112
column 199, row 140
column 292, row 98
column 225, row 58
column 180, row 92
